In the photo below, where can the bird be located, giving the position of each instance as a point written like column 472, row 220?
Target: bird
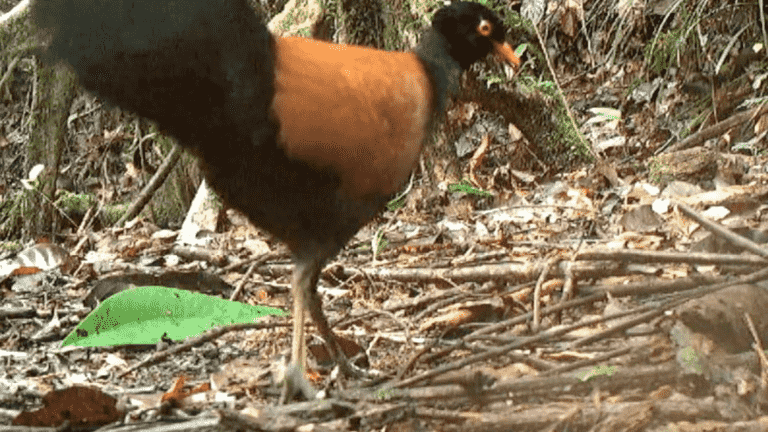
column 309, row 139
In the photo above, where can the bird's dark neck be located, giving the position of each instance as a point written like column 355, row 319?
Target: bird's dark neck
column 444, row 71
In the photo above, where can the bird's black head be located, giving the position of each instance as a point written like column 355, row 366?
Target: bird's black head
column 472, row 31
column 461, row 34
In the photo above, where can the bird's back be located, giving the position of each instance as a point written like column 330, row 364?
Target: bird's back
column 197, row 67
column 204, row 70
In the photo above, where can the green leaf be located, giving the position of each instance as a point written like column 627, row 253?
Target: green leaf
column 466, row 187
column 143, row 315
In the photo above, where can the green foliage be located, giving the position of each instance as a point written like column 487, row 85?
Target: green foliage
column 144, row 315
column 599, row 370
column 10, row 247
column 632, row 87
column 380, row 241
column 666, row 48
column 659, row 173
column 72, row 203
column 663, row 52
column 531, row 84
column 17, row 210
column 494, row 79
column 110, row 214
column 466, row 187
column 567, row 134
column 690, row 359
column 564, row 133
column 396, row 203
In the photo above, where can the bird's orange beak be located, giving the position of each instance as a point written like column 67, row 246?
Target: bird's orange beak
column 505, row 52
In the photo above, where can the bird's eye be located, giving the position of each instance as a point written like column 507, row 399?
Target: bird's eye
column 485, row 28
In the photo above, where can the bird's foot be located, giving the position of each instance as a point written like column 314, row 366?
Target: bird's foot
column 295, row 383
column 349, row 369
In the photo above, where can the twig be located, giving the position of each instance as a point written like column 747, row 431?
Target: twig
column 719, row 128
column 153, row 185
column 723, row 232
column 199, row 340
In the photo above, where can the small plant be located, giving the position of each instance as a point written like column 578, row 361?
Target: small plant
column 466, row 187
column 658, row 172
column 396, row 203
column 380, row 242
column 663, row 52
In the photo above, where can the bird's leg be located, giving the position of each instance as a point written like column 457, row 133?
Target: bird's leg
column 294, row 380
column 299, row 345
column 314, row 304
column 306, row 274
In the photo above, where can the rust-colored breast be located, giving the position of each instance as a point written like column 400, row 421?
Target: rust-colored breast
column 359, row 111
